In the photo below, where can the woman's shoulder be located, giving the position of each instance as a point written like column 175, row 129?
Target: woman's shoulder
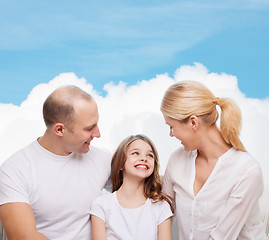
column 244, row 158
column 180, row 156
column 244, row 163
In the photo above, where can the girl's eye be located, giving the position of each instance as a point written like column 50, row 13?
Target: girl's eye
column 135, row 153
column 151, row 156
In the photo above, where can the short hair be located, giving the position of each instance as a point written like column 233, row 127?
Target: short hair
column 152, row 184
column 187, row 98
column 59, row 105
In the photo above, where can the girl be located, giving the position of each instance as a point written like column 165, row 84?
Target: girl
column 136, row 209
column 216, row 184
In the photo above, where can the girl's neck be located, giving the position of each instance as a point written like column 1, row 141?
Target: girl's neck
column 131, row 194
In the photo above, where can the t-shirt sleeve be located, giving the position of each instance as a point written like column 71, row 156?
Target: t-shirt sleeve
column 163, row 211
column 13, row 184
column 98, row 207
column 106, row 168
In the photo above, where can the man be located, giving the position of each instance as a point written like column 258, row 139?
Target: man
column 46, row 189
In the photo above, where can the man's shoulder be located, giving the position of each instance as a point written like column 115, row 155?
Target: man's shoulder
column 99, row 152
column 20, row 155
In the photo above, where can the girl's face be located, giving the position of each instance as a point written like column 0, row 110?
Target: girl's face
column 140, row 160
column 183, row 132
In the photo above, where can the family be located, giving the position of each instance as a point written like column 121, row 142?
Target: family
column 53, row 188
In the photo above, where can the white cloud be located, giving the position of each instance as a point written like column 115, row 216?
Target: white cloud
column 135, row 109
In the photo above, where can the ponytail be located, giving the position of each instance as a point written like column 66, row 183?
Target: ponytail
column 230, row 122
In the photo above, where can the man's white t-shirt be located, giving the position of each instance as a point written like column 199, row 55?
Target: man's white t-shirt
column 59, row 189
column 226, row 207
column 130, row 224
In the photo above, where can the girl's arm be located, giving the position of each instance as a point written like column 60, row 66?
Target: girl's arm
column 98, row 228
column 165, row 230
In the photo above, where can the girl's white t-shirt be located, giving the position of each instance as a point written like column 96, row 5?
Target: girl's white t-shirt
column 130, row 224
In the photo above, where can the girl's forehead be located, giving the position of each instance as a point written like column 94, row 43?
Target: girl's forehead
column 139, row 143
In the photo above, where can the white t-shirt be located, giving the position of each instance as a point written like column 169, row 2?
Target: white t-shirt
column 226, row 207
column 60, row 189
column 130, row 224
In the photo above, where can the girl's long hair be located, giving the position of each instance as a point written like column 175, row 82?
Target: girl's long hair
column 183, row 99
column 152, row 184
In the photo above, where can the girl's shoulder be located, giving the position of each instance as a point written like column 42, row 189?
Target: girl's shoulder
column 159, row 204
column 161, row 210
column 104, row 198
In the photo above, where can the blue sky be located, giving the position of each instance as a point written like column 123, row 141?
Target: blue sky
column 130, row 41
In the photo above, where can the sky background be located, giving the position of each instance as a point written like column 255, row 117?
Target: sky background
column 126, row 54
column 130, row 41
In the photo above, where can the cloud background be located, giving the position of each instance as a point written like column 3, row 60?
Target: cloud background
column 131, row 109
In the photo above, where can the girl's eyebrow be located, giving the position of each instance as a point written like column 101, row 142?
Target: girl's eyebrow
column 137, row 149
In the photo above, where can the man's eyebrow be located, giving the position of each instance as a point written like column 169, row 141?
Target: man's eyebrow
column 91, row 126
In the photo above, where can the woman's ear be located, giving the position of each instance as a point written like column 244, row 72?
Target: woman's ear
column 59, row 129
column 194, row 121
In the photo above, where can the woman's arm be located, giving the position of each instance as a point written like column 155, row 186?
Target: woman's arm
column 242, row 200
column 98, row 228
column 165, row 230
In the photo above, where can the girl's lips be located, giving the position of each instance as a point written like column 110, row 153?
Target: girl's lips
column 142, row 166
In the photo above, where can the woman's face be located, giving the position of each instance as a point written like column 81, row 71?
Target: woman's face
column 182, row 131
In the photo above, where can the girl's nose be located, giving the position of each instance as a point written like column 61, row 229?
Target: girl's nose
column 143, row 159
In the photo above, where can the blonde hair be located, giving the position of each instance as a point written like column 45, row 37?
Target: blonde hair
column 152, row 184
column 184, row 99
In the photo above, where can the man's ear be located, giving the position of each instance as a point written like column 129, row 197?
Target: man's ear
column 59, row 129
column 194, row 121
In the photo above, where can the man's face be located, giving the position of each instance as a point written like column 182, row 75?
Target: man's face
column 84, row 127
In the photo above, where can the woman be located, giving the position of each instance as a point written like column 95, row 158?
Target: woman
column 215, row 183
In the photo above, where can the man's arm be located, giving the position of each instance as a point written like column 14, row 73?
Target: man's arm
column 19, row 222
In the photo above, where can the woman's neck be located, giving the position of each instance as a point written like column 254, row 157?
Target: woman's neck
column 213, row 145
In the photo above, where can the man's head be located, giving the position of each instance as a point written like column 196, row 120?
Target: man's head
column 72, row 115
